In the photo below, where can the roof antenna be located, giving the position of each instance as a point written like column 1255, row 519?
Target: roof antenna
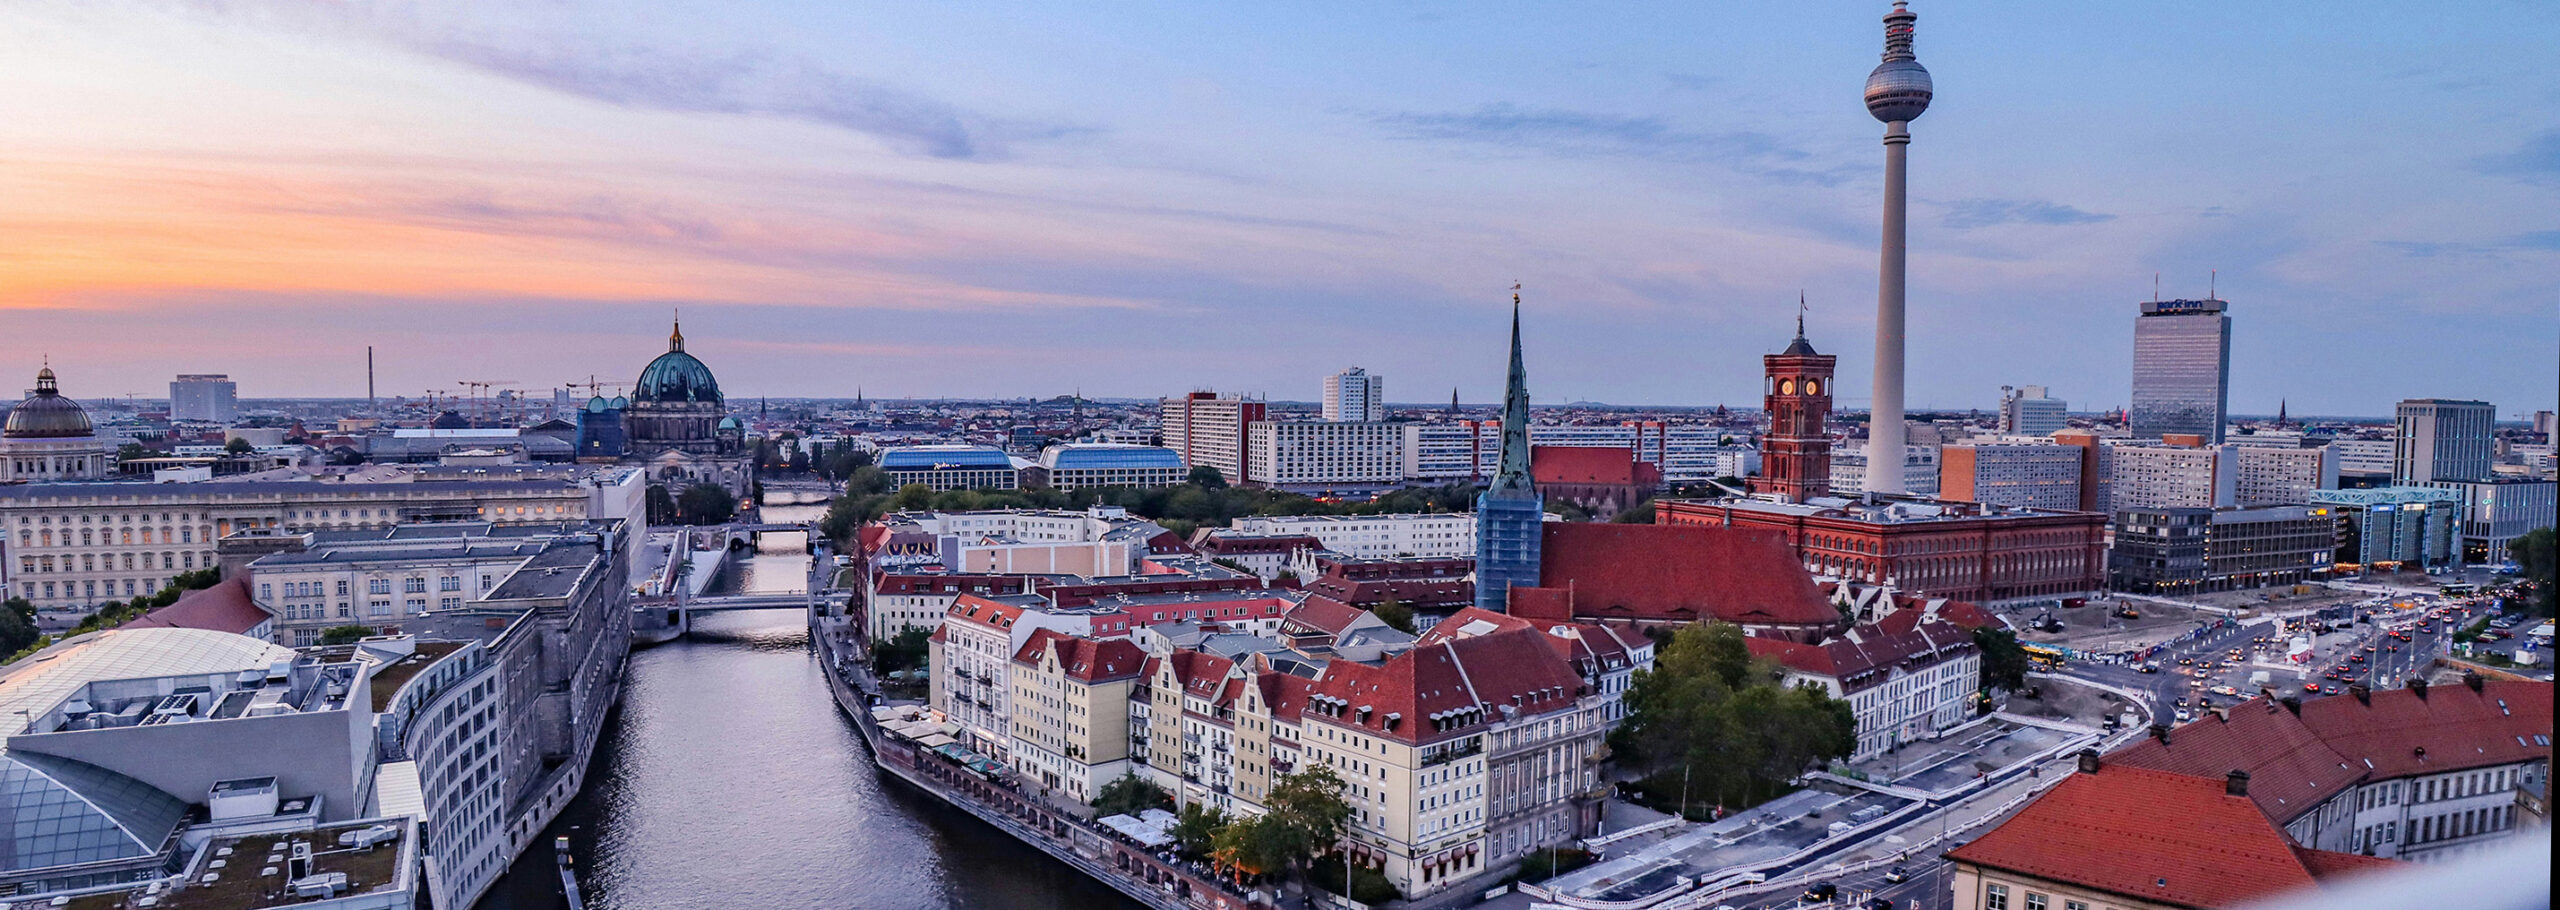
column 2212, row 283
column 2155, row 287
column 1800, row 307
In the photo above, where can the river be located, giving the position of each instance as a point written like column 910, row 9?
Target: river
column 729, row 779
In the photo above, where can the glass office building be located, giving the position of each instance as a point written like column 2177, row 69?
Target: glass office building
column 2181, row 369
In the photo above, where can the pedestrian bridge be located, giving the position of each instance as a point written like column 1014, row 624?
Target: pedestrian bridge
column 729, row 603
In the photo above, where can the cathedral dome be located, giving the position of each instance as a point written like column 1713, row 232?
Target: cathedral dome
column 676, row 377
column 47, row 414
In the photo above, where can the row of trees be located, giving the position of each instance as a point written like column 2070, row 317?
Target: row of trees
column 1303, row 816
column 698, row 504
column 1712, row 723
column 2535, row 554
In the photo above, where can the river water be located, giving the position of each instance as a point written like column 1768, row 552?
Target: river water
column 728, row 779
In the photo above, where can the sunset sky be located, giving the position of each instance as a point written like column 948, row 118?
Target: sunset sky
column 1027, row 198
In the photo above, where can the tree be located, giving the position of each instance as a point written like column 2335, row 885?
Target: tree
column 2535, row 554
column 345, row 635
column 1306, row 812
column 1709, row 725
column 1208, row 477
column 706, row 504
column 1395, row 614
column 1129, row 795
column 238, row 446
column 661, row 505
column 902, row 651
column 18, row 626
column 132, row 450
column 2004, row 663
column 915, row 497
column 1196, row 828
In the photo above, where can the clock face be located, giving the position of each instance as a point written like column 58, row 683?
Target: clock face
column 1786, row 387
column 1813, row 387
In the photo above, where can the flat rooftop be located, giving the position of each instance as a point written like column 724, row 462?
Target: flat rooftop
column 554, row 572
column 388, row 678
column 1894, row 511
column 244, row 883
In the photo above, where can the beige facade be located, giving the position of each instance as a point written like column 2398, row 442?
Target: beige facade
column 1979, row 888
column 1070, row 711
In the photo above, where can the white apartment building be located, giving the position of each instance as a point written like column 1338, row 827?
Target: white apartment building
column 2172, row 477
column 2363, row 456
column 80, row 544
column 1355, row 394
column 1294, row 453
column 1374, row 536
column 1469, row 450
column 2031, row 411
column 1907, row 677
column 970, row 659
column 351, row 578
column 2272, row 476
column 1070, row 710
column 1919, row 470
column 204, row 397
column 1099, row 541
column 2039, row 475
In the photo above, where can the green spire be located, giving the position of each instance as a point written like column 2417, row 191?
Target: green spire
column 1514, row 473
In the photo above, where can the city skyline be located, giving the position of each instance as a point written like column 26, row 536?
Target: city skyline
column 498, row 193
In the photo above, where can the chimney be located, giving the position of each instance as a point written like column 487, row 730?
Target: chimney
column 2236, row 783
column 2362, row 692
column 2160, row 732
column 2473, row 679
column 2089, row 761
column 2419, row 686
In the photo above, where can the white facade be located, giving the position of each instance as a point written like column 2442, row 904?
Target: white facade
column 1375, row 536
column 2363, row 456
column 1355, row 394
column 209, row 397
column 2442, row 439
column 2031, row 411
column 1686, row 453
column 2172, row 477
column 382, row 587
column 1919, row 471
column 2032, row 475
column 2271, row 476
column 1325, row 452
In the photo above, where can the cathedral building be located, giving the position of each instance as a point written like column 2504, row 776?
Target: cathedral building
column 49, row 437
column 675, row 423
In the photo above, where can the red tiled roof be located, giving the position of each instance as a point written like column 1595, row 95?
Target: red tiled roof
column 1866, row 655
column 1468, row 682
column 979, row 610
column 1084, row 660
column 2154, row 836
column 1679, row 573
column 225, row 607
column 1416, row 592
column 1234, row 545
column 1591, row 649
column 1593, row 465
column 1319, row 613
column 2297, row 762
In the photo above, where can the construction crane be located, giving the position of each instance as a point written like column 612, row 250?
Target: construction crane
column 479, row 389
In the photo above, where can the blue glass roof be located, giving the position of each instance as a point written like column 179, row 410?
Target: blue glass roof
column 927, row 458
column 59, row 812
column 1111, row 457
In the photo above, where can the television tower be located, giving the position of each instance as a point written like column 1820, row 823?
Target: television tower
column 1897, row 92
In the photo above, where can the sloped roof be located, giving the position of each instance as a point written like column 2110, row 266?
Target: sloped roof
column 1866, row 655
column 1085, row 660
column 1601, row 465
column 1472, row 680
column 2297, row 762
column 1680, row 573
column 225, row 607
column 1319, row 613
column 2154, row 836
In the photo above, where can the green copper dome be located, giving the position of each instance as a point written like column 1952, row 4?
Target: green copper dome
column 676, row 376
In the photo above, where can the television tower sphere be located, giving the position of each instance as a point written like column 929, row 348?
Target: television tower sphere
column 1899, row 89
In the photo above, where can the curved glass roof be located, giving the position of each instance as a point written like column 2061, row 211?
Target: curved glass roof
column 927, row 458
column 1107, row 456
column 59, row 812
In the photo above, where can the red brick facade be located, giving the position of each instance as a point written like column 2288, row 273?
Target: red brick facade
column 1962, row 555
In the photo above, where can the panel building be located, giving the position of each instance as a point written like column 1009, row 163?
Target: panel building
column 207, row 397
column 2273, row 475
column 2031, row 411
column 2029, row 475
column 2181, row 369
column 1209, row 430
column 1355, row 394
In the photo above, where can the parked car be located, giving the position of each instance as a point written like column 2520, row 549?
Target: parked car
column 1896, row 875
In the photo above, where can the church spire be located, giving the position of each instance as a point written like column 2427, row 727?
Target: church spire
column 675, row 339
column 1514, row 473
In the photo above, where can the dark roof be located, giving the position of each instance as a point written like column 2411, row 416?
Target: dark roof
column 2153, row 836
column 47, row 414
column 225, row 607
column 1679, row 573
column 1250, row 545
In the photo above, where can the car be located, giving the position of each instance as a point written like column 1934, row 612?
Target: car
column 1822, row 892
column 2355, row 658
column 2391, row 647
column 2184, row 716
column 1879, row 903
column 2186, row 661
column 2225, row 691
column 1896, row 875
column 2311, row 688
column 2146, row 667
column 2368, row 649
column 2328, row 690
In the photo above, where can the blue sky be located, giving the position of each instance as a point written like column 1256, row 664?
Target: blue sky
column 1133, row 199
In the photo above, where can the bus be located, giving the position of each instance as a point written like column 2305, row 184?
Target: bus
column 2460, row 589
column 2043, row 657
